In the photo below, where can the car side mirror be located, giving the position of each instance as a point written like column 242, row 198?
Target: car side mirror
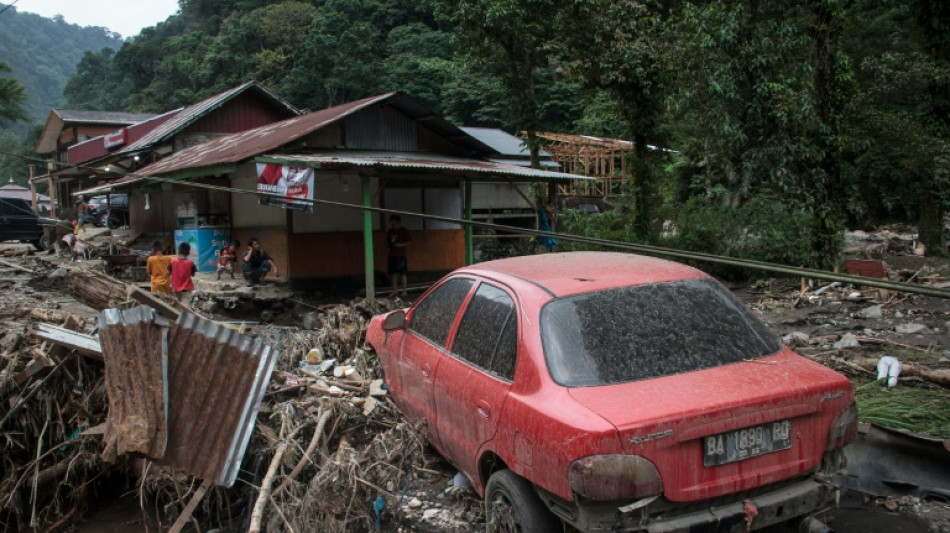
column 395, row 320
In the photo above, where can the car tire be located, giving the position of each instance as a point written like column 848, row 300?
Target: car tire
column 512, row 506
column 40, row 244
column 103, row 220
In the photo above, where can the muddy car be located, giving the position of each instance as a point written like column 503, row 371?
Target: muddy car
column 615, row 392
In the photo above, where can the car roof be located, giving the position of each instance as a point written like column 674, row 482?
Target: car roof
column 567, row 273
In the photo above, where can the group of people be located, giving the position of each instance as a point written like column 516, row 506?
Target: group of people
column 174, row 274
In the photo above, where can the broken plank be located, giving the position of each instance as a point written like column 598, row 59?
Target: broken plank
column 82, row 343
column 163, row 308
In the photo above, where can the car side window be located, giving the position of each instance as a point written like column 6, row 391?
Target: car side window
column 488, row 334
column 433, row 316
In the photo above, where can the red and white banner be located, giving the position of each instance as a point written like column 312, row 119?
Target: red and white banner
column 293, row 186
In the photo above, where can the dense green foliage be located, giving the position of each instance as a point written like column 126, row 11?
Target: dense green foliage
column 42, row 53
column 785, row 122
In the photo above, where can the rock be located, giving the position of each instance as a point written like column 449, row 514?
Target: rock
column 59, row 273
column 847, row 340
column 875, row 311
column 898, row 314
column 429, row 514
column 415, row 503
column 912, row 329
column 796, row 338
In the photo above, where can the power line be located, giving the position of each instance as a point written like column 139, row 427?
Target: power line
column 8, row 7
column 639, row 248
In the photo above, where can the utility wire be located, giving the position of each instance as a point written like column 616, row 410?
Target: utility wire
column 8, row 6
column 639, row 248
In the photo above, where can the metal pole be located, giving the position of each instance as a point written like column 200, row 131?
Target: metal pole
column 369, row 271
column 469, row 252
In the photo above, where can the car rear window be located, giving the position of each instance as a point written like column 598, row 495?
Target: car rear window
column 648, row 331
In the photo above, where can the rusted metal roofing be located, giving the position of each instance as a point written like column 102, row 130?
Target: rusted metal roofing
column 101, row 117
column 216, row 379
column 135, row 351
column 245, row 145
column 194, row 112
column 420, row 161
column 93, row 149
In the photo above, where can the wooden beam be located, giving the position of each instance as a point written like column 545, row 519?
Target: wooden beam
column 82, row 343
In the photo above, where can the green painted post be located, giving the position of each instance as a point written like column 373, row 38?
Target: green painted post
column 469, row 252
column 370, row 272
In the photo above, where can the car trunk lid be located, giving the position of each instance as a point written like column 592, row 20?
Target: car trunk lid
column 729, row 428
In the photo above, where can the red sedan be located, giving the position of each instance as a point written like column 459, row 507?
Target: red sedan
column 615, row 392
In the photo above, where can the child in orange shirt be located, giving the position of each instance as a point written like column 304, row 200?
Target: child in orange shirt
column 157, row 267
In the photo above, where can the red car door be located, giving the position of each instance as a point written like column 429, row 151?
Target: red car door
column 473, row 380
column 429, row 323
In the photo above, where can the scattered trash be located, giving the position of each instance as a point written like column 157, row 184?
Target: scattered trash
column 888, row 367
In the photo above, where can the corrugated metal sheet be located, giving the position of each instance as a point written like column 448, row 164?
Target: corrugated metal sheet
column 247, row 144
column 241, row 146
column 101, row 117
column 135, row 350
column 381, row 128
column 194, row 112
column 95, row 148
column 425, row 161
column 217, row 379
column 502, row 142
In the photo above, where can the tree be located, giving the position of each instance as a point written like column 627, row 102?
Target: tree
column 12, row 97
column 621, row 48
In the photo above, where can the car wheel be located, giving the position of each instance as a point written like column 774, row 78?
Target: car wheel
column 40, row 244
column 103, row 221
column 513, row 506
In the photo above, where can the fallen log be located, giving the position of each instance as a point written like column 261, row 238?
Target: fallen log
column 15, row 266
column 97, row 290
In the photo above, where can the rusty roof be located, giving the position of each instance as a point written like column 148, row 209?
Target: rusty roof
column 135, row 351
column 216, row 381
column 245, row 145
column 194, row 112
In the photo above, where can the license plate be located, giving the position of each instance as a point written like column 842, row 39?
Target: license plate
column 744, row 443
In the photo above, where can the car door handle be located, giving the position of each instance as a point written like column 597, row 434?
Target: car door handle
column 426, row 371
column 484, row 408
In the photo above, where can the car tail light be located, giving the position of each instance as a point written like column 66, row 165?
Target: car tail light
column 844, row 429
column 614, row 477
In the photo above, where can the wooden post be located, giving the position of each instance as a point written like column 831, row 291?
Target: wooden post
column 33, row 187
column 52, row 195
column 469, row 251
column 369, row 271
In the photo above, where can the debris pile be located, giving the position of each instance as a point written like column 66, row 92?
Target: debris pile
column 328, row 450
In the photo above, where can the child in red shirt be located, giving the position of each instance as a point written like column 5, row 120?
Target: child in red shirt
column 181, row 270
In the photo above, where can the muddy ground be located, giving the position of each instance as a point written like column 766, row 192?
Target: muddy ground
column 365, row 454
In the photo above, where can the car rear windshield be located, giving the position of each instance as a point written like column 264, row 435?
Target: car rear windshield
column 648, row 331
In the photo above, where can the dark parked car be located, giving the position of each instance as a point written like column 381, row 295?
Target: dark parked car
column 18, row 222
column 101, row 215
column 615, row 392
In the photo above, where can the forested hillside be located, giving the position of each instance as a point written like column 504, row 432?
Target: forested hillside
column 42, row 53
column 791, row 120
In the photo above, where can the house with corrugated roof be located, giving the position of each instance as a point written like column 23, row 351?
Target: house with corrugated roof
column 94, row 156
column 316, row 188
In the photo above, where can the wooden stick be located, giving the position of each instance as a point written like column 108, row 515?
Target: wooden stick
column 189, row 509
column 15, row 266
column 306, row 455
column 875, row 340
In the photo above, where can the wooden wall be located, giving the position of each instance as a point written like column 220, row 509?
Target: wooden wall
column 324, row 255
column 273, row 241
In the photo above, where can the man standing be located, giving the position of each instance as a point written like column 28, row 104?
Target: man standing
column 256, row 263
column 397, row 240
